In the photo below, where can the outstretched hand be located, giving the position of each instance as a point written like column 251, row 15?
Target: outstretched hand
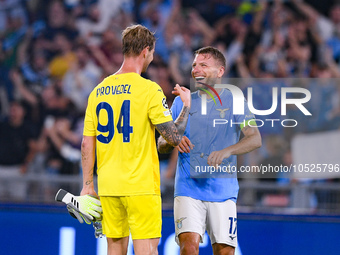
column 184, row 94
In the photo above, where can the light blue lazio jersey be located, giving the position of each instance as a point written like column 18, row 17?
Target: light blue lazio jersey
column 216, row 130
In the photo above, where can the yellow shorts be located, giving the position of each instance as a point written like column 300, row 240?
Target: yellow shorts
column 142, row 215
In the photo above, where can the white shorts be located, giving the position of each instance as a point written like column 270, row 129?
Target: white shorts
column 219, row 219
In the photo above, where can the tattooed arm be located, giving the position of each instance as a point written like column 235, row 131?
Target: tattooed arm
column 172, row 132
column 88, row 147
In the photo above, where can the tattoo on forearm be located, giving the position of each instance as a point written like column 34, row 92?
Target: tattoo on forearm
column 171, row 133
column 90, row 177
column 170, row 136
column 83, row 154
column 163, row 146
column 182, row 119
column 83, row 157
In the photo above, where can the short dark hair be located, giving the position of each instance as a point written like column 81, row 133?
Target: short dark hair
column 136, row 38
column 214, row 52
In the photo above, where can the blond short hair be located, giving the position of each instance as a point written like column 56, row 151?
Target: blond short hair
column 136, row 38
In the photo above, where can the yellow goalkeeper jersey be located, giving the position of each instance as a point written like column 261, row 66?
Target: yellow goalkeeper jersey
column 121, row 112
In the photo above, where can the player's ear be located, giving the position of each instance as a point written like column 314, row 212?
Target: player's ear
column 220, row 71
column 145, row 51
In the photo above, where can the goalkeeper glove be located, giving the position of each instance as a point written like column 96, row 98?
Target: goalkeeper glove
column 84, row 208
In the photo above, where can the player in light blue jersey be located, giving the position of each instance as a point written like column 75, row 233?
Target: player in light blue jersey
column 206, row 185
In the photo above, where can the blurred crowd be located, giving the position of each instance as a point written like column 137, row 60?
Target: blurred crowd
column 53, row 53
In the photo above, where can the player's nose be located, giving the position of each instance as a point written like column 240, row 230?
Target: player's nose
column 195, row 69
column 197, row 73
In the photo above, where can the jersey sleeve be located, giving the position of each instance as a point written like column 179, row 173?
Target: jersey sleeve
column 89, row 126
column 158, row 108
column 176, row 107
column 245, row 119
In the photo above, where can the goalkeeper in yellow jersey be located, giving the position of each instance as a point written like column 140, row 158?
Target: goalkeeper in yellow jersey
column 122, row 114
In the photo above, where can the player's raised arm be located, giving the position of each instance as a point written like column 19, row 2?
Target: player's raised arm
column 172, row 132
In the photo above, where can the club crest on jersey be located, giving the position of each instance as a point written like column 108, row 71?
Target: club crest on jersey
column 222, row 112
column 179, row 222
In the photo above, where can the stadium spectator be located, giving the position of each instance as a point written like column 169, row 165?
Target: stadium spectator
column 58, row 22
column 13, row 28
column 327, row 27
column 17, row 148
column 9, row 10
column 270, row 60
column 324, row 92
column 65, row 137
column 64, row 58
column 81, row 78
column 92, row 26
column 108, row 54
column 33, row 65
column 155, row 15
